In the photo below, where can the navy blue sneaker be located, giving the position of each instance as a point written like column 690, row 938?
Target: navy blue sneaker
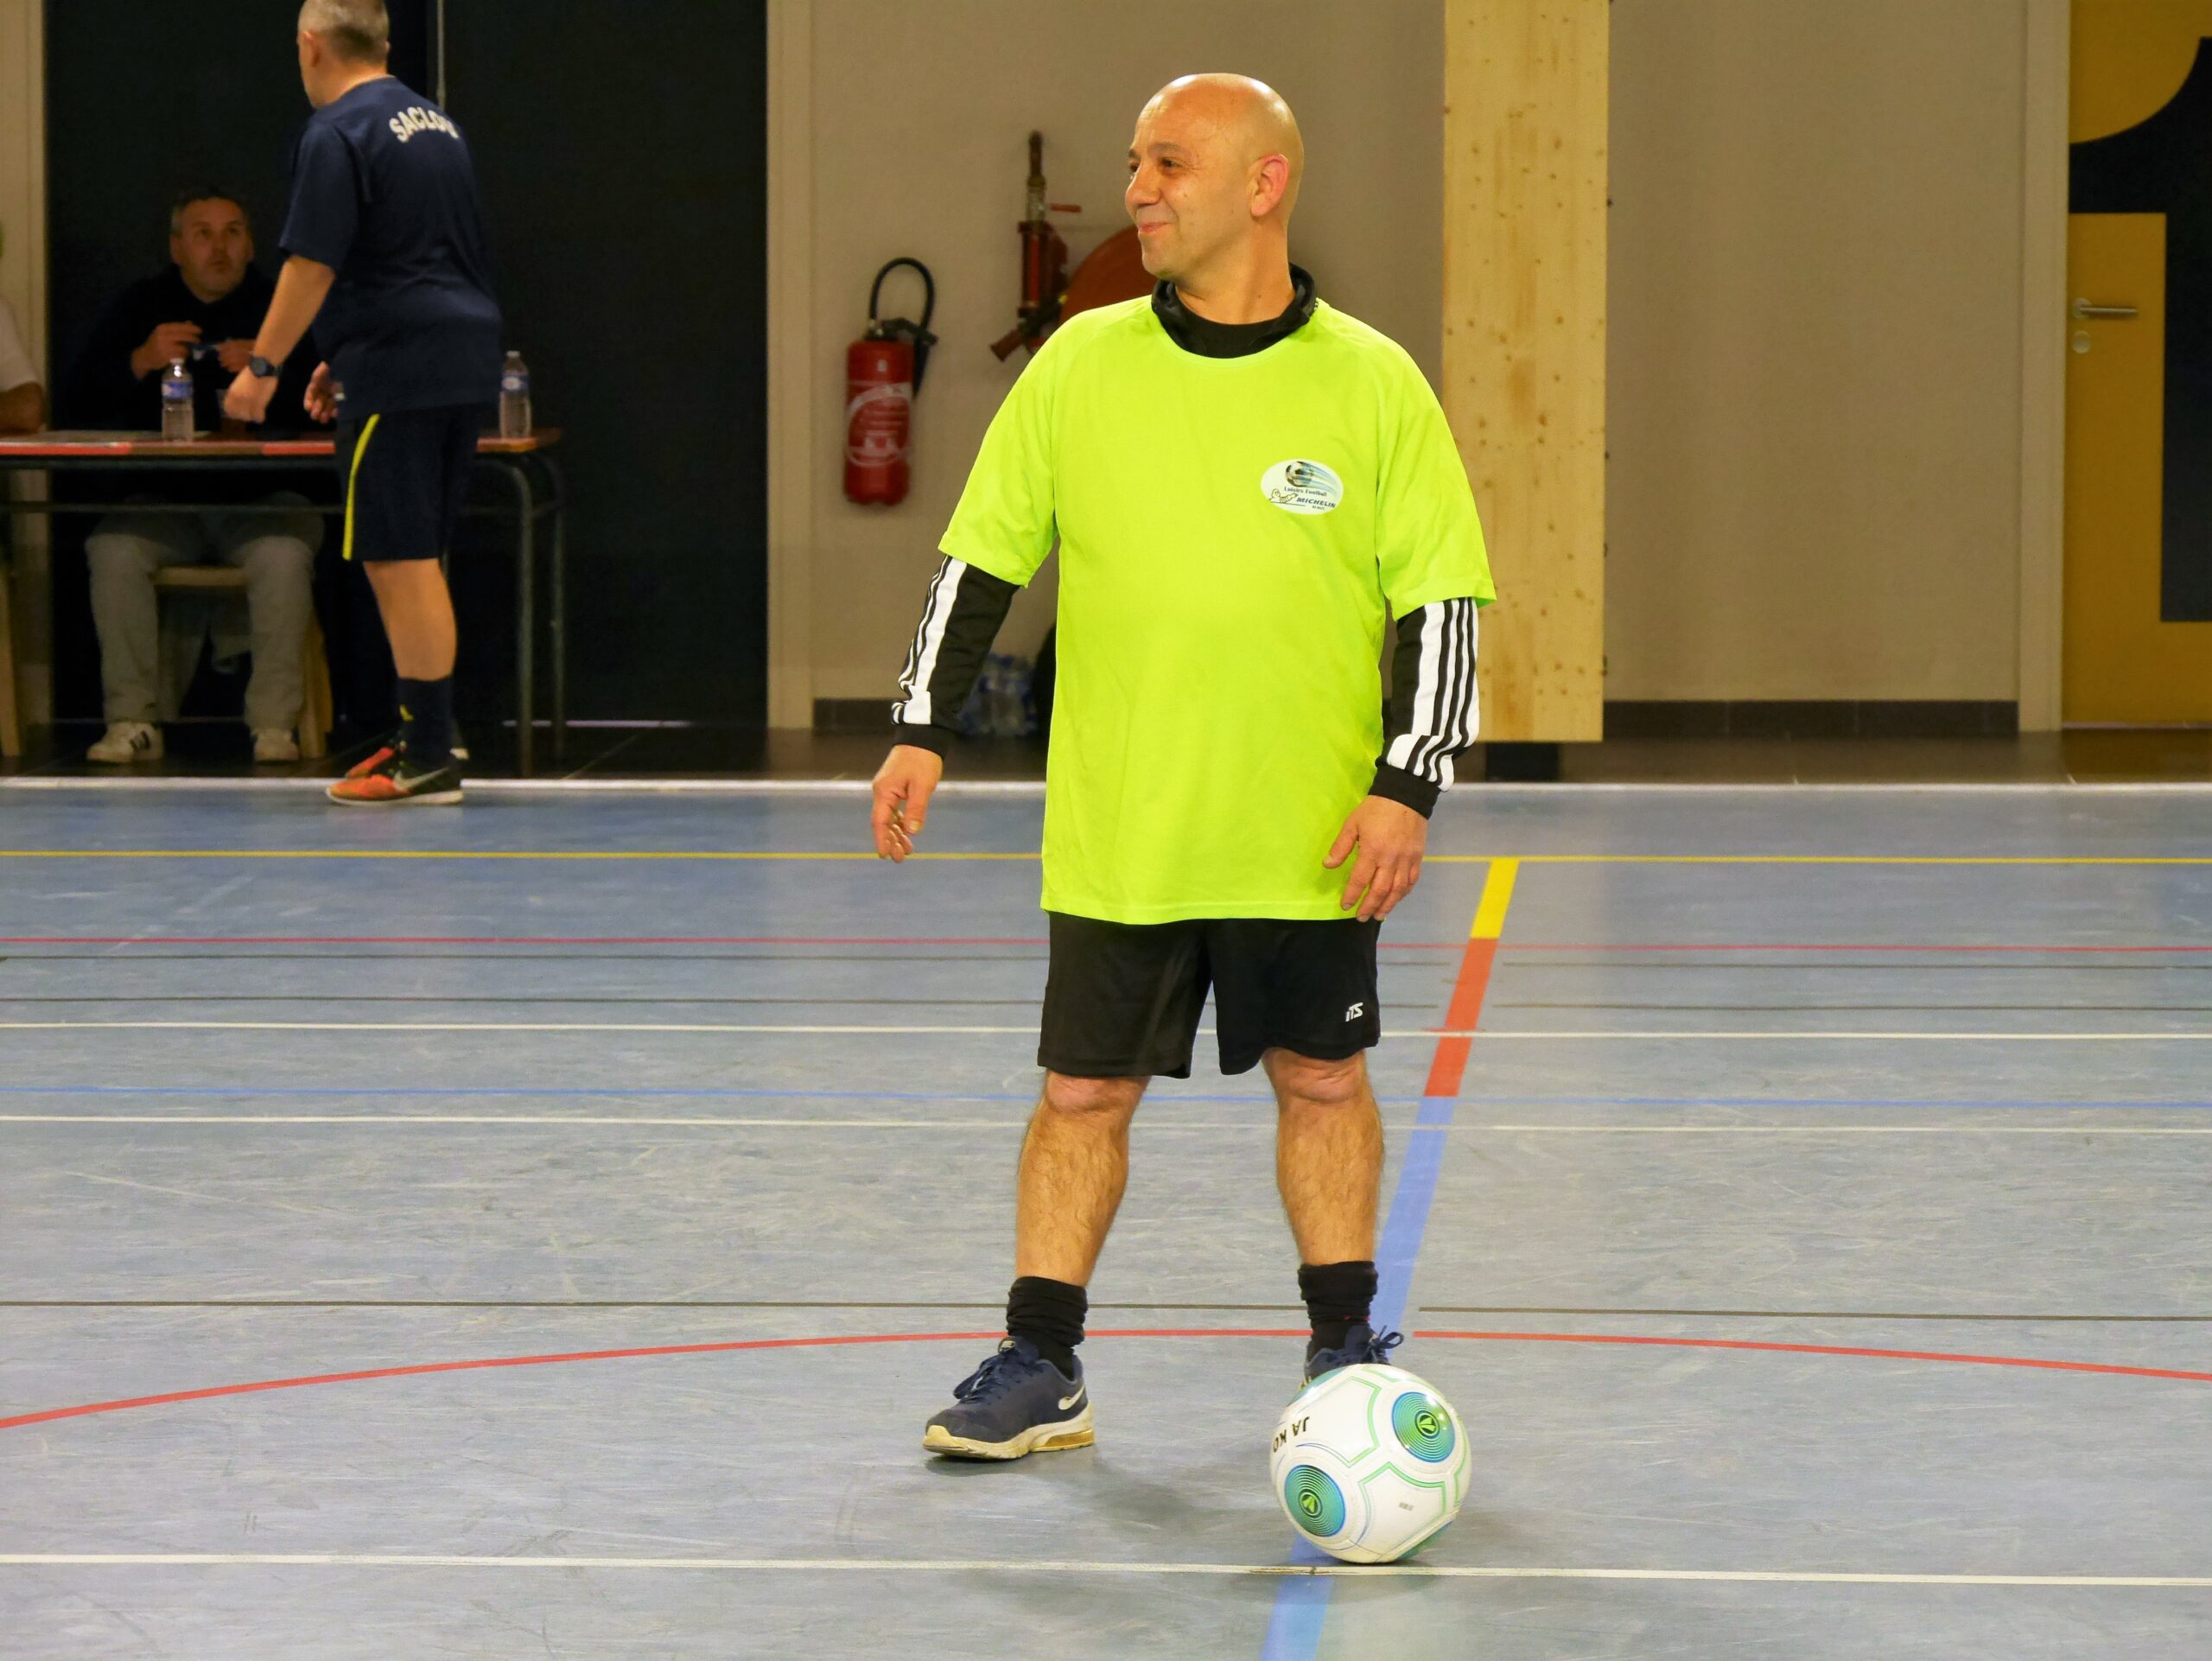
column 1362, row 1347
column 1016, row 1402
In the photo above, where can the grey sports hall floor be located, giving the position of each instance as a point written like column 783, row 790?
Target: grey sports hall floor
column 1814, row 1238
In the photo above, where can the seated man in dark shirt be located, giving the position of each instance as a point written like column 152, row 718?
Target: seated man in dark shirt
column 203, row 310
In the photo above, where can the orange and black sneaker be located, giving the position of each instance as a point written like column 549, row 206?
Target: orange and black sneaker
column 388, row 747
column 375, row 759
column 391, row 779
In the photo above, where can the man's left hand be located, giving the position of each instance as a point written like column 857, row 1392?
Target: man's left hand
column 1390, row 838
column 248, row 398
column 235, row 354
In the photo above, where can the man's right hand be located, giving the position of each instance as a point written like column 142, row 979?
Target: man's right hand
column 903, row 786
column 322, row 395
column 168, row 342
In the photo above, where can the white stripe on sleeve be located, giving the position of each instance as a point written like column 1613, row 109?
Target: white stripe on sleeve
column 1401, row 750
column 1443, row 709
column 915, row 711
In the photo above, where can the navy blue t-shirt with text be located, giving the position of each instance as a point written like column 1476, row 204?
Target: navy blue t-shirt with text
column 384, row 193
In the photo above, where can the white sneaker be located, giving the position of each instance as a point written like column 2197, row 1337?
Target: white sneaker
column 274, row 744
column 127, row 741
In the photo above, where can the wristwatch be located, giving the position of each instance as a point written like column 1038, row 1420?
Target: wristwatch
column 262, row 368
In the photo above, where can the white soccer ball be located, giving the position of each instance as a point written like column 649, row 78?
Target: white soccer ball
column 1370, row 1463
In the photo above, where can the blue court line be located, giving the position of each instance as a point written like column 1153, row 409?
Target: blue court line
column 708, row 1093
column 1302, row 1604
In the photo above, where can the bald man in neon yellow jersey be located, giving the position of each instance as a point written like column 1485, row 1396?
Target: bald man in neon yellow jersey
column 1242, row 482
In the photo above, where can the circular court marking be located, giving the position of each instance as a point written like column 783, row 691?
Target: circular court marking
column 256, row 1387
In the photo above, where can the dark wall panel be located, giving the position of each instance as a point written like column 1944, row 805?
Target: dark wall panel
column 623, row 151
column 623, row 155
column 145, row 97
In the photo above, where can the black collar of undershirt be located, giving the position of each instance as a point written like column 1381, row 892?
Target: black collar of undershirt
column 1209, row 339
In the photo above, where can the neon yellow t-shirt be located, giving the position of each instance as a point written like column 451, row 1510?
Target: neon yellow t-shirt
column 1231, row 532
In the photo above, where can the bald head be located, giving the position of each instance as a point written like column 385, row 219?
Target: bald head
column 1214, row 171
column 1247, row 119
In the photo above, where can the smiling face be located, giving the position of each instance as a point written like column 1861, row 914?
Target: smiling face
column 1214, row 164
column 213, row 246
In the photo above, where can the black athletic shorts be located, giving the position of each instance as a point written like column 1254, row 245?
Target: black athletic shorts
column 1123, row 1000
column 406, row 475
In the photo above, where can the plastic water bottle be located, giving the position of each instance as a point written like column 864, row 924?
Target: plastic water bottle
column 1021, row 698
column 976, row 714
column 1002, row 709
column 514, row 398
column 176, row 401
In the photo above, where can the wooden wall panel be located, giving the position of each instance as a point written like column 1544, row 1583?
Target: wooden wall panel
column 23, row 282
column 1525, row 344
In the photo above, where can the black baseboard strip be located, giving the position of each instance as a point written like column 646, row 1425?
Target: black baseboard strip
column 852, row 715
column 1811, row 718
column 1675, row 718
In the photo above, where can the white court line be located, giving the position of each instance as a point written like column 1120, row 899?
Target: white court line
column 1486, row 1035
column 1041, row 1566
column 1845, row 1130
column 1463, row 797
column 548, row 786
column 1210, row 1126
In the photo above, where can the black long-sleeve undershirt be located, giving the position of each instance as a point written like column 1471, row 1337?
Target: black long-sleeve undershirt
column 959, row 622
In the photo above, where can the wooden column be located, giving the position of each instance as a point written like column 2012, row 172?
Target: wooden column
column 1524, row 344
column 22, row 281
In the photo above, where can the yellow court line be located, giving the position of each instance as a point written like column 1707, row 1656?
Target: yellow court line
column 460, row 853
column 1497, row 894
column 684, row 853
column 1851, row 859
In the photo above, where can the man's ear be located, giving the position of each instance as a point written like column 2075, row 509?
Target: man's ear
column 1269, row 181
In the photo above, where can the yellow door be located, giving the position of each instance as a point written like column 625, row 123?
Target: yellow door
column 2139, row 393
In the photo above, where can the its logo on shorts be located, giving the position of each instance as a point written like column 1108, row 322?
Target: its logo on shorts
column 1298, row 486
column 1356, row 1011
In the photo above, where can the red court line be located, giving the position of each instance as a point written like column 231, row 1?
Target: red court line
column 1824, row 945
column 518, row 940
column 213, row 1391
column 1015, row 940
column 582, row 939
column 1832, row 1349
column 259, row 1385
column 1449, row 1067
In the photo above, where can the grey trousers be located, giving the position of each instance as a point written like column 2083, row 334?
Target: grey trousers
column 276, row 551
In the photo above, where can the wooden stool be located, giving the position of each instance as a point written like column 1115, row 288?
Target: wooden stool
column 314, row 667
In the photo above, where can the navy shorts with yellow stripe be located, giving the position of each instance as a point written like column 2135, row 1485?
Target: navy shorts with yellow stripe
column 406, row 475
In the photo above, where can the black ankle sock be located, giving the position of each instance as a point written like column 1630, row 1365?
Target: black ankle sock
column 1049, row 1314
column 426, row 721
column 1338, row 1297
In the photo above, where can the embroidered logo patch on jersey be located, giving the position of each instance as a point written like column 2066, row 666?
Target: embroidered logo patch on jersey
column 1297, row 486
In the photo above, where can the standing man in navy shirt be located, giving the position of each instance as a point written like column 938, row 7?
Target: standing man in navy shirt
column 386, row 258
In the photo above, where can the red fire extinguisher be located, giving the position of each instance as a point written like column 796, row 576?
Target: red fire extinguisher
column 883, row 371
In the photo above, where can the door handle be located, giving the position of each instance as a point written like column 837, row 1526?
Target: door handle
column 2083, row 308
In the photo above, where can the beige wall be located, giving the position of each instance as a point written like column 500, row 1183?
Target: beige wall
column 1817, row 248
column 1817, row 348
column 918, row 129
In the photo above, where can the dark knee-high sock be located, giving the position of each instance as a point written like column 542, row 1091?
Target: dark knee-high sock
column 1337, row 1298
column 426, row 716
column 1049, row 1314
